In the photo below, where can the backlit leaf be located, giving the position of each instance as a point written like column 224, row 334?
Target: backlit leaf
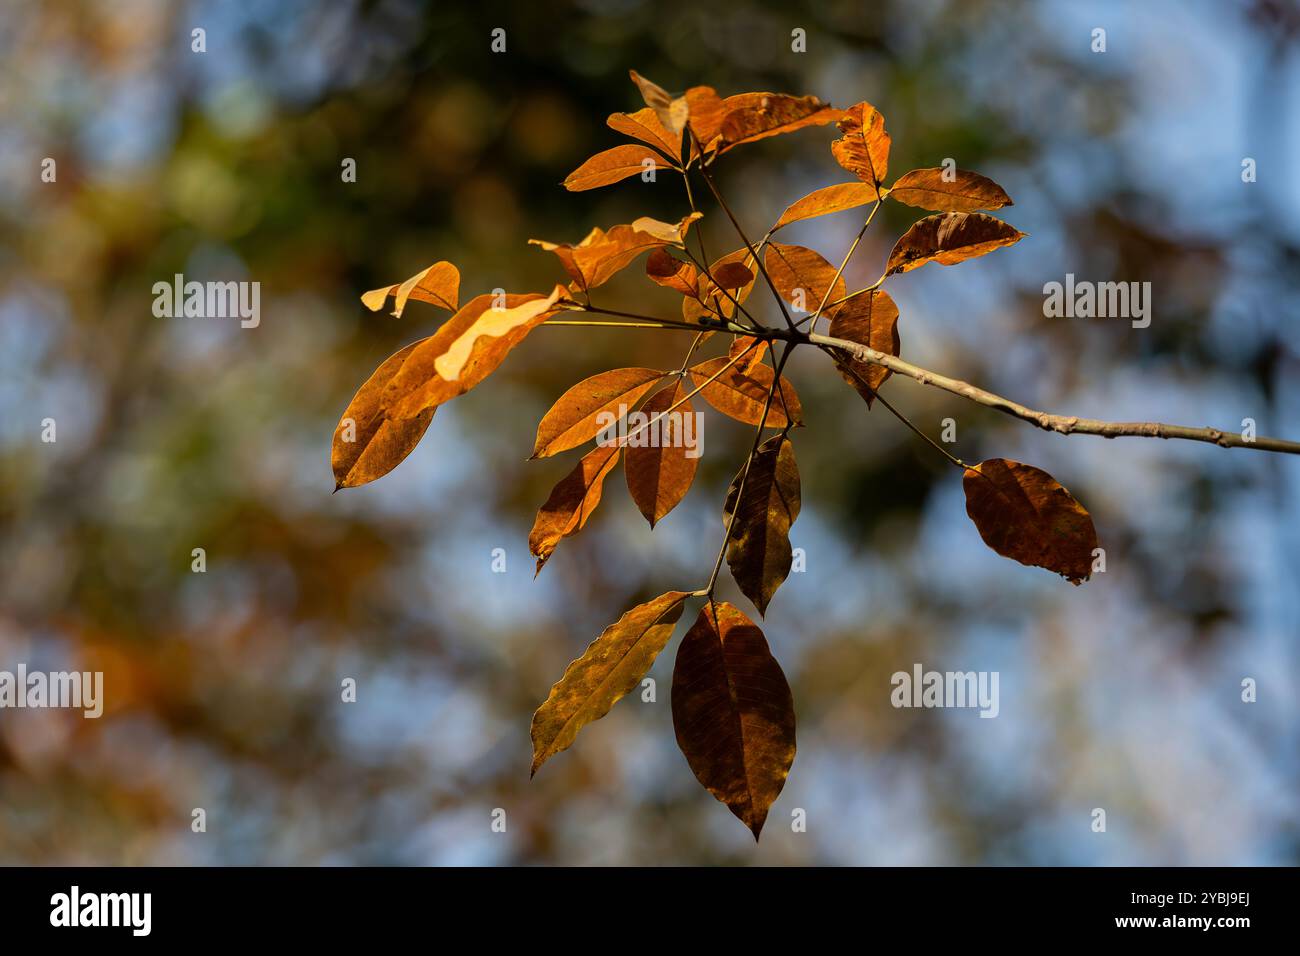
column 644, row 125
column 602, row 255
column 571, row 502
column 671, row 272
column 733, row 712
column 872, row 320
column 950, row 238
column 802, row 276
column 758, row 549
column 828, row 199
column 585, row 410
column 672, row 112
column 864, row 148
column 1024, row 513
column 378, row 443
column 613, row 165
column 740, row 346
column 658, row 465
column 438, row 285
column 742, row 396
column 772, row 114
column 611, row 666
column 967, row 191
column 709, row 299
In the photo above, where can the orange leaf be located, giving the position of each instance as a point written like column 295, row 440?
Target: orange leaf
column 645, row 126
column 740, row 345
column 864, row 148
column 871, row 320
column 828, row 199
column 1024, row 513
column 733, row 712
column 465, row 350
column 571, row 502
column 671, row 272
column 612, row 165
column 584, row 410
column 602, row 255
column 709, row 299
column 948, row 239
column 367, row 443
column 660, row 471
column 438, row 285
column 966, row 192
column 771, row 114
column 672, row 112
column 611, row 666
column 758, row 548
column 802, row 276
column 742, row 396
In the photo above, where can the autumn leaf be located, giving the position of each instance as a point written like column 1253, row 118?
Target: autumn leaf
column 749, row 351
column 613, row 165
column 367, row 443
column 948, row 239
column 771, row 114
column 671, row 111
column 828, row 199
column 802, row 276
column 742, row 396
column 732, row 275
column 733, row 712
column 589, row 407
column 438, row 285
column 710, row 299
column 571, row 502
column 1024, row 513
column 758, row 548
column 660, row 473
column 864, row 148
column 465, row 350
column 611, row 666
column 966, row 192
column 706, row 112
column 601, row 255
column 644, row 125
column 672, row 273
column 871, row 320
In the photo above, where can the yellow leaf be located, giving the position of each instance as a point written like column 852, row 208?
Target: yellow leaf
column 613, row 165
column 438, row 285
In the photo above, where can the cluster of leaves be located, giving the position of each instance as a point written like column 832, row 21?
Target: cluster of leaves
column 731, row 705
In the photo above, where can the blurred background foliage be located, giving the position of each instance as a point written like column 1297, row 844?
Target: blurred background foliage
column 223, row 687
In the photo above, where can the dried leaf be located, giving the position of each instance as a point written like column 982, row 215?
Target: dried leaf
column 1024, row 513
column 864, row 148
column 611, row 666
column 950, row 238
column 967, row 191
column 582, row 412
column 602, row 255
column 742, row 396
column 740, row 346
column 644, row 125
column 802, row 276
column 378, row 443
column 732, row 275
column 771, row 114
column 672, row 112
column 758, row 548
column 672, row 273
column 613, row 165
column 707, row 111
column 709, row 299
column 828, row 199
column 871, row 320
column 571, row 502
column 659, row 472
column 465, row 350
column 733, row 712
column 439, row 285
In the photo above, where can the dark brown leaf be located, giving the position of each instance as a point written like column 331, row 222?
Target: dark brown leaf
column 571, row 502
column 872, row 320
column 950, row 238
column 771, row 114
column 658, row 464
column 758, row 548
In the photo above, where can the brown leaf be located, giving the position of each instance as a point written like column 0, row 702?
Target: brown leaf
column 377, row 443
column 794, row 268
column 672, row 112
column 967, row 192
column 585, row 410
column 660, row 471
column 871, row 320
column 438, row 285
column 740, row 345
column 758, row 548
column 613, row 165
column 742, row 396
column 828, row 199
column 709, row 299
column 465, row 350
column 672, row 273
column 732, row 275
column 1024, row 513
column 571, row 502
column 611, row 666
column 602, row 255
column 733, row 712
column 644, row 125
column 771, row 114
column 950, row 238
column 864, row 148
